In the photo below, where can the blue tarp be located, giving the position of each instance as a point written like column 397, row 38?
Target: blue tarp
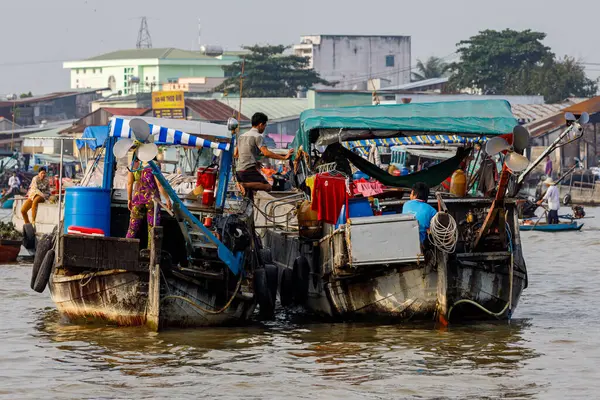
column 100, row 133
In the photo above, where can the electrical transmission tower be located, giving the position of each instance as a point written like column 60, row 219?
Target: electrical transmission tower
column 144, row 41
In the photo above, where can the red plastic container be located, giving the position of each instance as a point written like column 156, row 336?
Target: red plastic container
column 207, row 178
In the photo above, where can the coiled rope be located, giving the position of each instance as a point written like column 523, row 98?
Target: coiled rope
column 443, row 232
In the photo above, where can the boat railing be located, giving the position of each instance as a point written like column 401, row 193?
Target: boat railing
column 272, row 205
column 326, row 167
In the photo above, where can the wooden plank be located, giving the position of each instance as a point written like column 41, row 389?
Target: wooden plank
column 153, row 313
column 100, row 253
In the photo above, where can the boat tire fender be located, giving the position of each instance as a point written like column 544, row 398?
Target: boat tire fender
column 42, row 247
column 41, row 281
column 266, row 307
column 28, row 237
column 265, row 256
column 567, row 199
column 272, row 281
column 286, row 287
column 301, row 272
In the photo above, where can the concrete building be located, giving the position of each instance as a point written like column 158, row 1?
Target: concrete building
column 145, row 70
column 354, row 60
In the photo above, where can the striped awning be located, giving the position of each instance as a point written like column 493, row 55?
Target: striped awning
column 119, row 128
column 361, row 146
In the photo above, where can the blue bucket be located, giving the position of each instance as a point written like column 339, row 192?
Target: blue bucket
column 87, row 207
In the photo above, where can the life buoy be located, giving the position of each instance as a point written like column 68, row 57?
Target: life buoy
column 43, row 245
column 43, row 276
column 300, row 272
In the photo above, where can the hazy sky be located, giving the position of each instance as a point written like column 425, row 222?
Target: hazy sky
column 39, row 34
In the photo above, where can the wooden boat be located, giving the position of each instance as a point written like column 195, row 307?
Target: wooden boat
column 373, row 267
column 9, row 250
column 191, row 276
column 544, row 227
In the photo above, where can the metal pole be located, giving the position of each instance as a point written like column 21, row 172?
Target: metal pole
column 60, row 172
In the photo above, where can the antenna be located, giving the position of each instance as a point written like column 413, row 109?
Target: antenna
column 199, row 34
column 144, row 41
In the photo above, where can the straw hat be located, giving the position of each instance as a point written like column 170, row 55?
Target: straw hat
column 549, row 181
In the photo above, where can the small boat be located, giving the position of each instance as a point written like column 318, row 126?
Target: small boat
column 8, row 204
column 9, row 250
column 544, row 227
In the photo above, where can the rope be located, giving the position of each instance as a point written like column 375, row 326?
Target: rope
column 213, row 312
column 443, row 237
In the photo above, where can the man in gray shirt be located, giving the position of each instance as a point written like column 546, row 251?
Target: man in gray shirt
column 250, row 146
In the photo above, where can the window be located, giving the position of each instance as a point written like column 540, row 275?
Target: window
column 84, row 70
column 94, row 71
column 100, row 70
column 389, row 61
column 77, row 71
column 127, row 75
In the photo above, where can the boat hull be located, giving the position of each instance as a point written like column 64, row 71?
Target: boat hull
column 573, row 226
column 121, row 297
column 9, row 250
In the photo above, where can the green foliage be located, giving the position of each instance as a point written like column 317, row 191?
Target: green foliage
column 433, row 67
column 9, row 232
column 270, row 73
column 25, row 95
column 517, row 63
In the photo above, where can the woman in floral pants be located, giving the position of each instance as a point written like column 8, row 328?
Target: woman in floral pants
column 141, row 200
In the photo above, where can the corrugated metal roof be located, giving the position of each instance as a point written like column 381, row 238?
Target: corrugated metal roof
column 418, row 84
column 556, row 121
column 161, row 53
column 133, row 112
column 49, row 133
column 275, row 107
column 212, row 110
column 591, row 106
column 527, row 113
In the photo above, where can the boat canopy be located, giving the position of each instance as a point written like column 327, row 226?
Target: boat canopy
column 328, row 125
column 200, row 128
column 100, row 133
column 163, row 135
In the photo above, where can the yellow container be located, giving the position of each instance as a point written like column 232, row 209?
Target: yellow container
column 308, row 221
column 458, row 183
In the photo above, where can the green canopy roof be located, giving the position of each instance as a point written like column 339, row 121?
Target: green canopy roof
column 480, row 117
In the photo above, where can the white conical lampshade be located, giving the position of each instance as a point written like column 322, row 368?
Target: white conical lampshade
column 496, row 145
column 147, row 152
column 140, row 129
column 122, row 147
column 516, row 162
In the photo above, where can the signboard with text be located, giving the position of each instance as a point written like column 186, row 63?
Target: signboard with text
column 169, row 104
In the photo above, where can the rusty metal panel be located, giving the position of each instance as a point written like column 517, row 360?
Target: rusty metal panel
column 101, row 253
column 386, row 239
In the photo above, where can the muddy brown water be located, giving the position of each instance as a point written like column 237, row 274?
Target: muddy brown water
column 550, row 350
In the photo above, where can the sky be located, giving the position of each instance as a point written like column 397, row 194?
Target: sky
column 38, row 35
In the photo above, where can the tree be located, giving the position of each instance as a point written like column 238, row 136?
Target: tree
column 517, row 63
column 564, row 78
column 25, row 95
column 498, row 62
column 270, row 73
column 433, row 67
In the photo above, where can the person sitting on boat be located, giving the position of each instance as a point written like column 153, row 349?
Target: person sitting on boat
column 14, row 186
column 39, row 191
column 140, row 199
column 552, row 196
column 418, row 206
column 250, row 146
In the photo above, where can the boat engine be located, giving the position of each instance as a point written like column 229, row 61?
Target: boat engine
column 578, row 212
column 234, row 232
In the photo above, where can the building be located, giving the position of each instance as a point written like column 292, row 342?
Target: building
column 102, row 116
column 211, row 110
column 194, row 85
column 144, row 70
column 57, row 106
column 7, row 124
column 353, row 60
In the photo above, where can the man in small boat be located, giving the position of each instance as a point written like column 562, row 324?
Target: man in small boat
column 552, row 196
column 14, row 186
column 141, row 199
column 250, row 146
column 39, row 191
column 419, row 208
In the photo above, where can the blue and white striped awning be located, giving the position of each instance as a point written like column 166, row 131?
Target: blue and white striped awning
column 410, row 140
column 119, row 128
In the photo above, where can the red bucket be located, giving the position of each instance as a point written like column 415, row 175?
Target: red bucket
column 207, row 178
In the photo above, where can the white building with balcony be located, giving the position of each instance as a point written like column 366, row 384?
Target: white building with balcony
column 355, row 60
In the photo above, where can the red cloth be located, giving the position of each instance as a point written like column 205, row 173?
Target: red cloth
column 329, row 196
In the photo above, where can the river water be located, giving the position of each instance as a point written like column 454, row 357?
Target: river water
column 550, row 350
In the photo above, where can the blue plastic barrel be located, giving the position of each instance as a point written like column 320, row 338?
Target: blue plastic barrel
column 87, row 207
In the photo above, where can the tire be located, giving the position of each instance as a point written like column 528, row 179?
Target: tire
column 300, row 275
column 42, row 247
column 266, row 307
column 286, row 287
column 265, row 256
column 567, row 199
column 272, row 281
column 28, row 237
column 43, row 276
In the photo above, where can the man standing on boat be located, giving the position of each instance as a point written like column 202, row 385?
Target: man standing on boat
column 39, row 190
column 553, row 197
column 250, row 146
column 418, row 206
